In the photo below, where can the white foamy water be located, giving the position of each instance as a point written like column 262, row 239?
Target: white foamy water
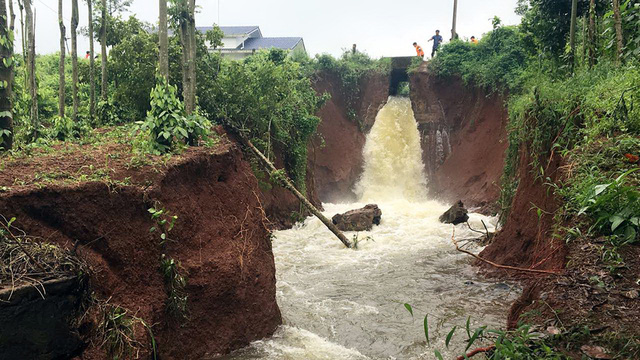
column 339, row 303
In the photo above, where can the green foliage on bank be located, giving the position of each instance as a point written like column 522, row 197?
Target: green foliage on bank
column 497, row 62
column 591, row 121
column 351, row 68
column 269, row 97
column 589, row 116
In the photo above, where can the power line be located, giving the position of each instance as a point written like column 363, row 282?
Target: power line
column 52, row 9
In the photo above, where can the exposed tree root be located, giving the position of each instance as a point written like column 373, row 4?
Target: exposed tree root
column 476, row 352
column 499, row 266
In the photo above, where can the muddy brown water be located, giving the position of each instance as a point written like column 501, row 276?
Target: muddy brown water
column 339, row 303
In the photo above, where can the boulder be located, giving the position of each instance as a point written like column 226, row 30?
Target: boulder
column 457, row 214
column 359, row 219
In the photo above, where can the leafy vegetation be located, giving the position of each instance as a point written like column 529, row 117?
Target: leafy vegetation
column 117, row 331
column 351, row 68
column 268, row 97
column 175, row 284
column 497, row 62
column 586, row 116
column 520, row 343
column 167, row 125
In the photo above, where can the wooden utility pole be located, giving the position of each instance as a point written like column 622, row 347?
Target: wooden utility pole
column 61, row 80
column 74, row 56
column 163, row 57
column 6, row 77
column 618, row 24
column 572, row 33
column 103, row 44
column 92, row 66
column 455, row 17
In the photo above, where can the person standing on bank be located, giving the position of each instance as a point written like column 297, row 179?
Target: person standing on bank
column 437, row 40
column 419, row 50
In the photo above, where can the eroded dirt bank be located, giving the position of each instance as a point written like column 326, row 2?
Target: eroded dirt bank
column 463, row 133
column 335, row 154
column 220, row 238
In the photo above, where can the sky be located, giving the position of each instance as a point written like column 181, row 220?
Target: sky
column 378, row 27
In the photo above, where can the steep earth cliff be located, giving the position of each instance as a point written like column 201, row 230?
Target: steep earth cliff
column 220, row 239
column 463, row 133
column 335, row 154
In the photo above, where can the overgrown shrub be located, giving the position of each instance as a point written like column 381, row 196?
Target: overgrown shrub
column 351, row 68
column 132, row 64
column 268, row 97
column 589, row 119
column 497, row 62
column 167, row 126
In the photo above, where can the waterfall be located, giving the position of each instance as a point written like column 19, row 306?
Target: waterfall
column 393, row 167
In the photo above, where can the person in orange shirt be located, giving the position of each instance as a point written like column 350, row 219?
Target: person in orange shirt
column 474, row 40
column 419, row 50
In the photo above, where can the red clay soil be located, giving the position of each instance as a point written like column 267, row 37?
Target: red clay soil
column 220, row 238
column 335, row 154
column 476, row 125
column 525, row 240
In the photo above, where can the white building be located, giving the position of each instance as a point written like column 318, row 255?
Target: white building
column 240, row 42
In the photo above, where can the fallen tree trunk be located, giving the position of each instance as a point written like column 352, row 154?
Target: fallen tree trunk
column 288, row 184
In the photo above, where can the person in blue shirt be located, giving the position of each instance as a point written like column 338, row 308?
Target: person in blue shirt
column 437, row 40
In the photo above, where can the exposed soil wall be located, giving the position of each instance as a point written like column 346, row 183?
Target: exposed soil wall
column 463, row 133
column 335, row 154
column 525, row 240
column 220, row 238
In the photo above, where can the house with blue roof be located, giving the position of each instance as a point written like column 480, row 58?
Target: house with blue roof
column 240, row 42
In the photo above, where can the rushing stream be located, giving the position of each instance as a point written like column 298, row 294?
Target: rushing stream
column 348, row 304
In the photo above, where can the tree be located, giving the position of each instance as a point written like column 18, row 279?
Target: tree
column 183, row 12
column 6, row 77
column 61, row 87
column 190, row 103
column 92, row 66
column 103, row 44
column 163, row 40
column 214, row 36
column 31, row 67
column 12, row 16
column 572, row 36
column 592, row 33
column 74, row 56
column 618, row 25
column 113, row 22
column 23, row 31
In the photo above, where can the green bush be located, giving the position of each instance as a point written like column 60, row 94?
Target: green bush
column 268, row 97
column 166, row 125
column 350, row 68
column 497, row 62
column 615, row 208
column 132, row 65
column 590, row 120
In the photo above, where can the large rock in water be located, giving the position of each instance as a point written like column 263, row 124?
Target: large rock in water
column 359, row 219
column 457, row 214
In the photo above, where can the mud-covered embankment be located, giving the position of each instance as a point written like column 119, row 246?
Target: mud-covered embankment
column 463, row 131
column 220, row 239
